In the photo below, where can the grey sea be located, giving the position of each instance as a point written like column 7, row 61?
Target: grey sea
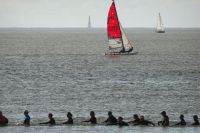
column 66, row 70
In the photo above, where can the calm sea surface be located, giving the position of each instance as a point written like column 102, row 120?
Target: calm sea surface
column 62, row 70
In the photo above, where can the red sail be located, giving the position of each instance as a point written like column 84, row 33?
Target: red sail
column 113, row 28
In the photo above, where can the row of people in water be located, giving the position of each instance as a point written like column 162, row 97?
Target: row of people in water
column 111, row 120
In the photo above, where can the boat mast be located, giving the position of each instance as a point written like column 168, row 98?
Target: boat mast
column 119, row 25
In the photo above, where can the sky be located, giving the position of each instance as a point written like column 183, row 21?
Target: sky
column 75, row 13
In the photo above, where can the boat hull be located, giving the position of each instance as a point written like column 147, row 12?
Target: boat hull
column 160, row 31
column 118, row 53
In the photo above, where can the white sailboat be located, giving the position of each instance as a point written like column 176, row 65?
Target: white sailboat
column 160, row 27
column 117, row 40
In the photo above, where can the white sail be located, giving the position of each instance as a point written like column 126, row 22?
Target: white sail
column 160, row 27
column 115, row 45
column 126, row 42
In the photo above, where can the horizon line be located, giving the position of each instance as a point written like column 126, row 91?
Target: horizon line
column 94, row 27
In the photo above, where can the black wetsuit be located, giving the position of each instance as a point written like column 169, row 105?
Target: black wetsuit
column 134, row 122
column 165, row 121
column 145, row 123
column 51, row 122
column 182, row 123
column 122, row 123
column 196, row 123
column 27, row 120
column 111, row 120
column 69, row 121
column 93, row 120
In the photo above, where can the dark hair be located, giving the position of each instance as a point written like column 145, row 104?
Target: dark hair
column 195, row 117
column 120, row 118
column 163, row 113
column 69, row 114
column 109, row 113
column 50, row 114
column 181, row 116
column 26, row 112
column 91, row 112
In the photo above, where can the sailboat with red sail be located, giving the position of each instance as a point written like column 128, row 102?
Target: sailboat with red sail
column 117, row 40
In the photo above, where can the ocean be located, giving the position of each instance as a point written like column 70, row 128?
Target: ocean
column 66, row 70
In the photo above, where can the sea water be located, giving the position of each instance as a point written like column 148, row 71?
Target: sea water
column 66, row 70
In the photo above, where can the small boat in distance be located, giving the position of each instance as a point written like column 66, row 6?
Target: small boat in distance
column 160, row 28
column 89, row 23
column 117, row 41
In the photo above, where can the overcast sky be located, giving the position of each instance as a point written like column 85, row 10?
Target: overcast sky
column 74, row 13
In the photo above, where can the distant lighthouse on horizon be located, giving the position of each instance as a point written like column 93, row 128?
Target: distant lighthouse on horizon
column 89, row 23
